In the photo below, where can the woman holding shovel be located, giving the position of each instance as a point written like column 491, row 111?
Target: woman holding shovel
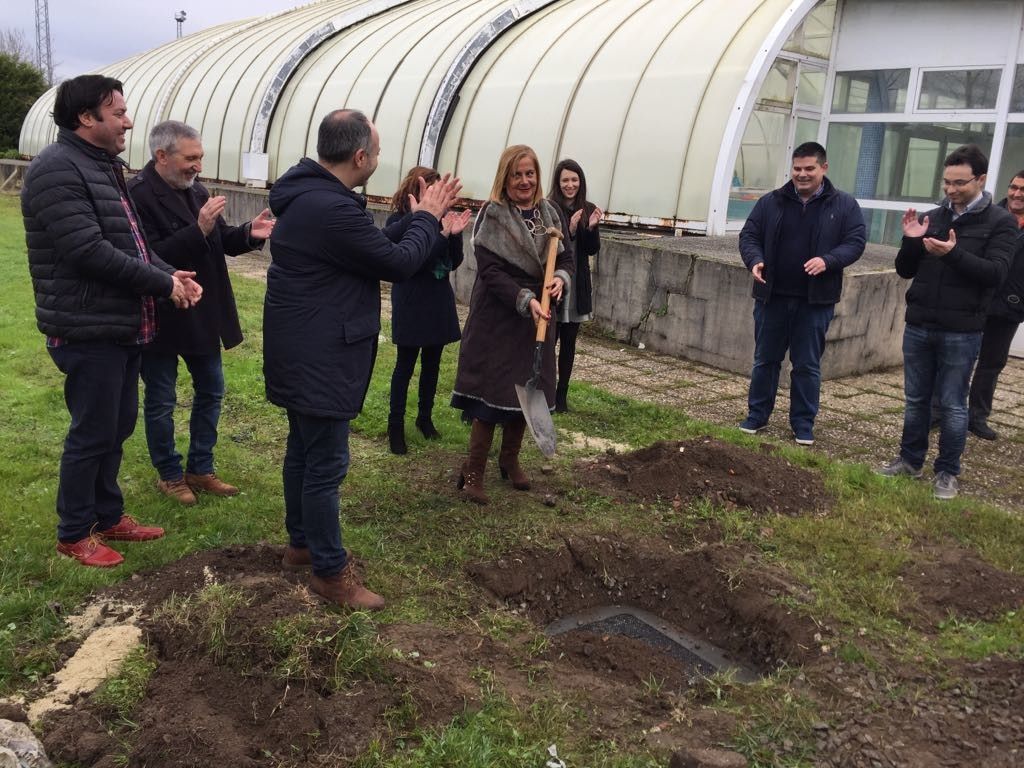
column 507, row 312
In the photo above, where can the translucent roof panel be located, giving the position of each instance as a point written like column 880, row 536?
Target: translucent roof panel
column 637, row 91
column 640, row 92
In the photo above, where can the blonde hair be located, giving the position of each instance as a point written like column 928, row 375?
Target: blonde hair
column 506, row 167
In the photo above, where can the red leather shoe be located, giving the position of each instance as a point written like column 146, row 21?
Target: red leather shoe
column 127, row 529
column 91, row 551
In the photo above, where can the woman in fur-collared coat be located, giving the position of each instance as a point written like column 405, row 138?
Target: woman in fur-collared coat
column 498, row 340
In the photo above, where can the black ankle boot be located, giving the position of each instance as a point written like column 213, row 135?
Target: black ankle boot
column 396, row 438
column 426, row 425
column 561, row 400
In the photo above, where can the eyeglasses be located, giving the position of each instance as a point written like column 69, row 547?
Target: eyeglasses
column 958, row 183
column 1016, row 188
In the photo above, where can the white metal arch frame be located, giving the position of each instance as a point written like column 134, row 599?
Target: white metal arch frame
column 451, row 84
column 254, row 162
column 718, row 203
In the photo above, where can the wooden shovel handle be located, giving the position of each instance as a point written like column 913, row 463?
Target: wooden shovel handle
column 554, row 235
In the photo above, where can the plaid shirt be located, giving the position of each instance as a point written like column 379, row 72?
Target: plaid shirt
column 147, row 328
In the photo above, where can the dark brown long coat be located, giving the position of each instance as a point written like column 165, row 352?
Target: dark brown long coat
column 498, row 342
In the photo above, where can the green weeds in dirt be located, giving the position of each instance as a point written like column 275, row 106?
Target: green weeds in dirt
column 121, row 693
column 205, row 616
column 977, row 640
column 327, row 654
column 501, row 735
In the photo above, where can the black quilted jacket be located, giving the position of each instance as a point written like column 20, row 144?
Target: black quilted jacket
column 86, row 273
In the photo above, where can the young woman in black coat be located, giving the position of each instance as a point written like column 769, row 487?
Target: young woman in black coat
column 569, row 193
column 423, row 316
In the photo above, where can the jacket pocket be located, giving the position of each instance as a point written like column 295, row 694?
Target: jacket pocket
column 86, row 297
column 361, row 328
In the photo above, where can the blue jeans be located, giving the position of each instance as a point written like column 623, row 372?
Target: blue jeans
column 788, row 323
column 936, row 363
column 315, row 464
column 101, row 391
column 160, row 374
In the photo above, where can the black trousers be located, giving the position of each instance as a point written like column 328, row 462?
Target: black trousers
column 101, row 391
column 430, row 366
column 566, row 334
column 995, row 350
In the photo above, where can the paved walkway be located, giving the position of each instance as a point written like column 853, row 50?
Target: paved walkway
column 860, row 420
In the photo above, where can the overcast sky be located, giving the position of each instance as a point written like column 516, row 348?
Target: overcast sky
column 88, row 34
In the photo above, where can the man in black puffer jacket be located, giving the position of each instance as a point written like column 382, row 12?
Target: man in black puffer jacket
column 957, row 255
column 95, row 283
column 1004, row 318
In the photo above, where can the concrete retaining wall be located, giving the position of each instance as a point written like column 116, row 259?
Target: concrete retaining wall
column 690, row 297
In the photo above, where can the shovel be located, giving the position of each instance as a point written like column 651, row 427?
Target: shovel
column 532, row 401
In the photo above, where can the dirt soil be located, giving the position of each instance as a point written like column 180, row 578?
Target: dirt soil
column 720, row 472
column 233, row 696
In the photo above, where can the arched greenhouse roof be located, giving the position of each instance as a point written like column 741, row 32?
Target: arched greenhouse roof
column 650, row 96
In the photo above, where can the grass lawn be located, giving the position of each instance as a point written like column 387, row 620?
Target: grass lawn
column 401, row 516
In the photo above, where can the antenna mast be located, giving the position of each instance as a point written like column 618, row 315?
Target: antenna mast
column 44, row 53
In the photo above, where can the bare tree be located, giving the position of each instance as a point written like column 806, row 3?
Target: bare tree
column 15, row 44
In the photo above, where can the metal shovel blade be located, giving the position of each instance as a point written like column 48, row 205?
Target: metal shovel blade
column 538, row 417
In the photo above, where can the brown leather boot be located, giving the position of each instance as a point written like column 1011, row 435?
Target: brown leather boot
column 210, row 484
column 344, row 589
column 471, row 481
column 177, row 490
column 508, row 458
column 296, row 558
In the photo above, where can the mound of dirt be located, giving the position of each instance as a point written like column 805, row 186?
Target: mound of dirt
column 706, row 468
column 716, row 592
column 238, row 699
column 952, row 581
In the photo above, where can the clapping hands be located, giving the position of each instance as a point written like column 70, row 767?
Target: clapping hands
column 186, row 292
column 453, row 222
column 438, row 197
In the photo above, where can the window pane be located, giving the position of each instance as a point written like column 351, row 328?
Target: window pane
column 760, row 161
column 814, row 35
column 812, row 88
column 885, row 227
column 1017, row 97
column 806, row 130
column 963, row 89
column 897, row 161
column 779, row 85
column 1013, row 158
column 877, row 90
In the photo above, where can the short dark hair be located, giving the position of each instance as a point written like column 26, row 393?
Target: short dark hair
column 342, row 132
column 1018, row 175
column 811, row 149
column 968, row 154
column 85, row 93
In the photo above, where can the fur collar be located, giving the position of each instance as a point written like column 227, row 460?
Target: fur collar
column 501, row 230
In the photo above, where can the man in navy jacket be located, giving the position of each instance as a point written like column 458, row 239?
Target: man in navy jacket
column 796, row 243
column 321, row 321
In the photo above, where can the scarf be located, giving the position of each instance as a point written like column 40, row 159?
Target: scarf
column 500, row 229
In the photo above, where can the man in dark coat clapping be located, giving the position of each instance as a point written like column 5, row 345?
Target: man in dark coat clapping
column 321, row 322
column 185, row 226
